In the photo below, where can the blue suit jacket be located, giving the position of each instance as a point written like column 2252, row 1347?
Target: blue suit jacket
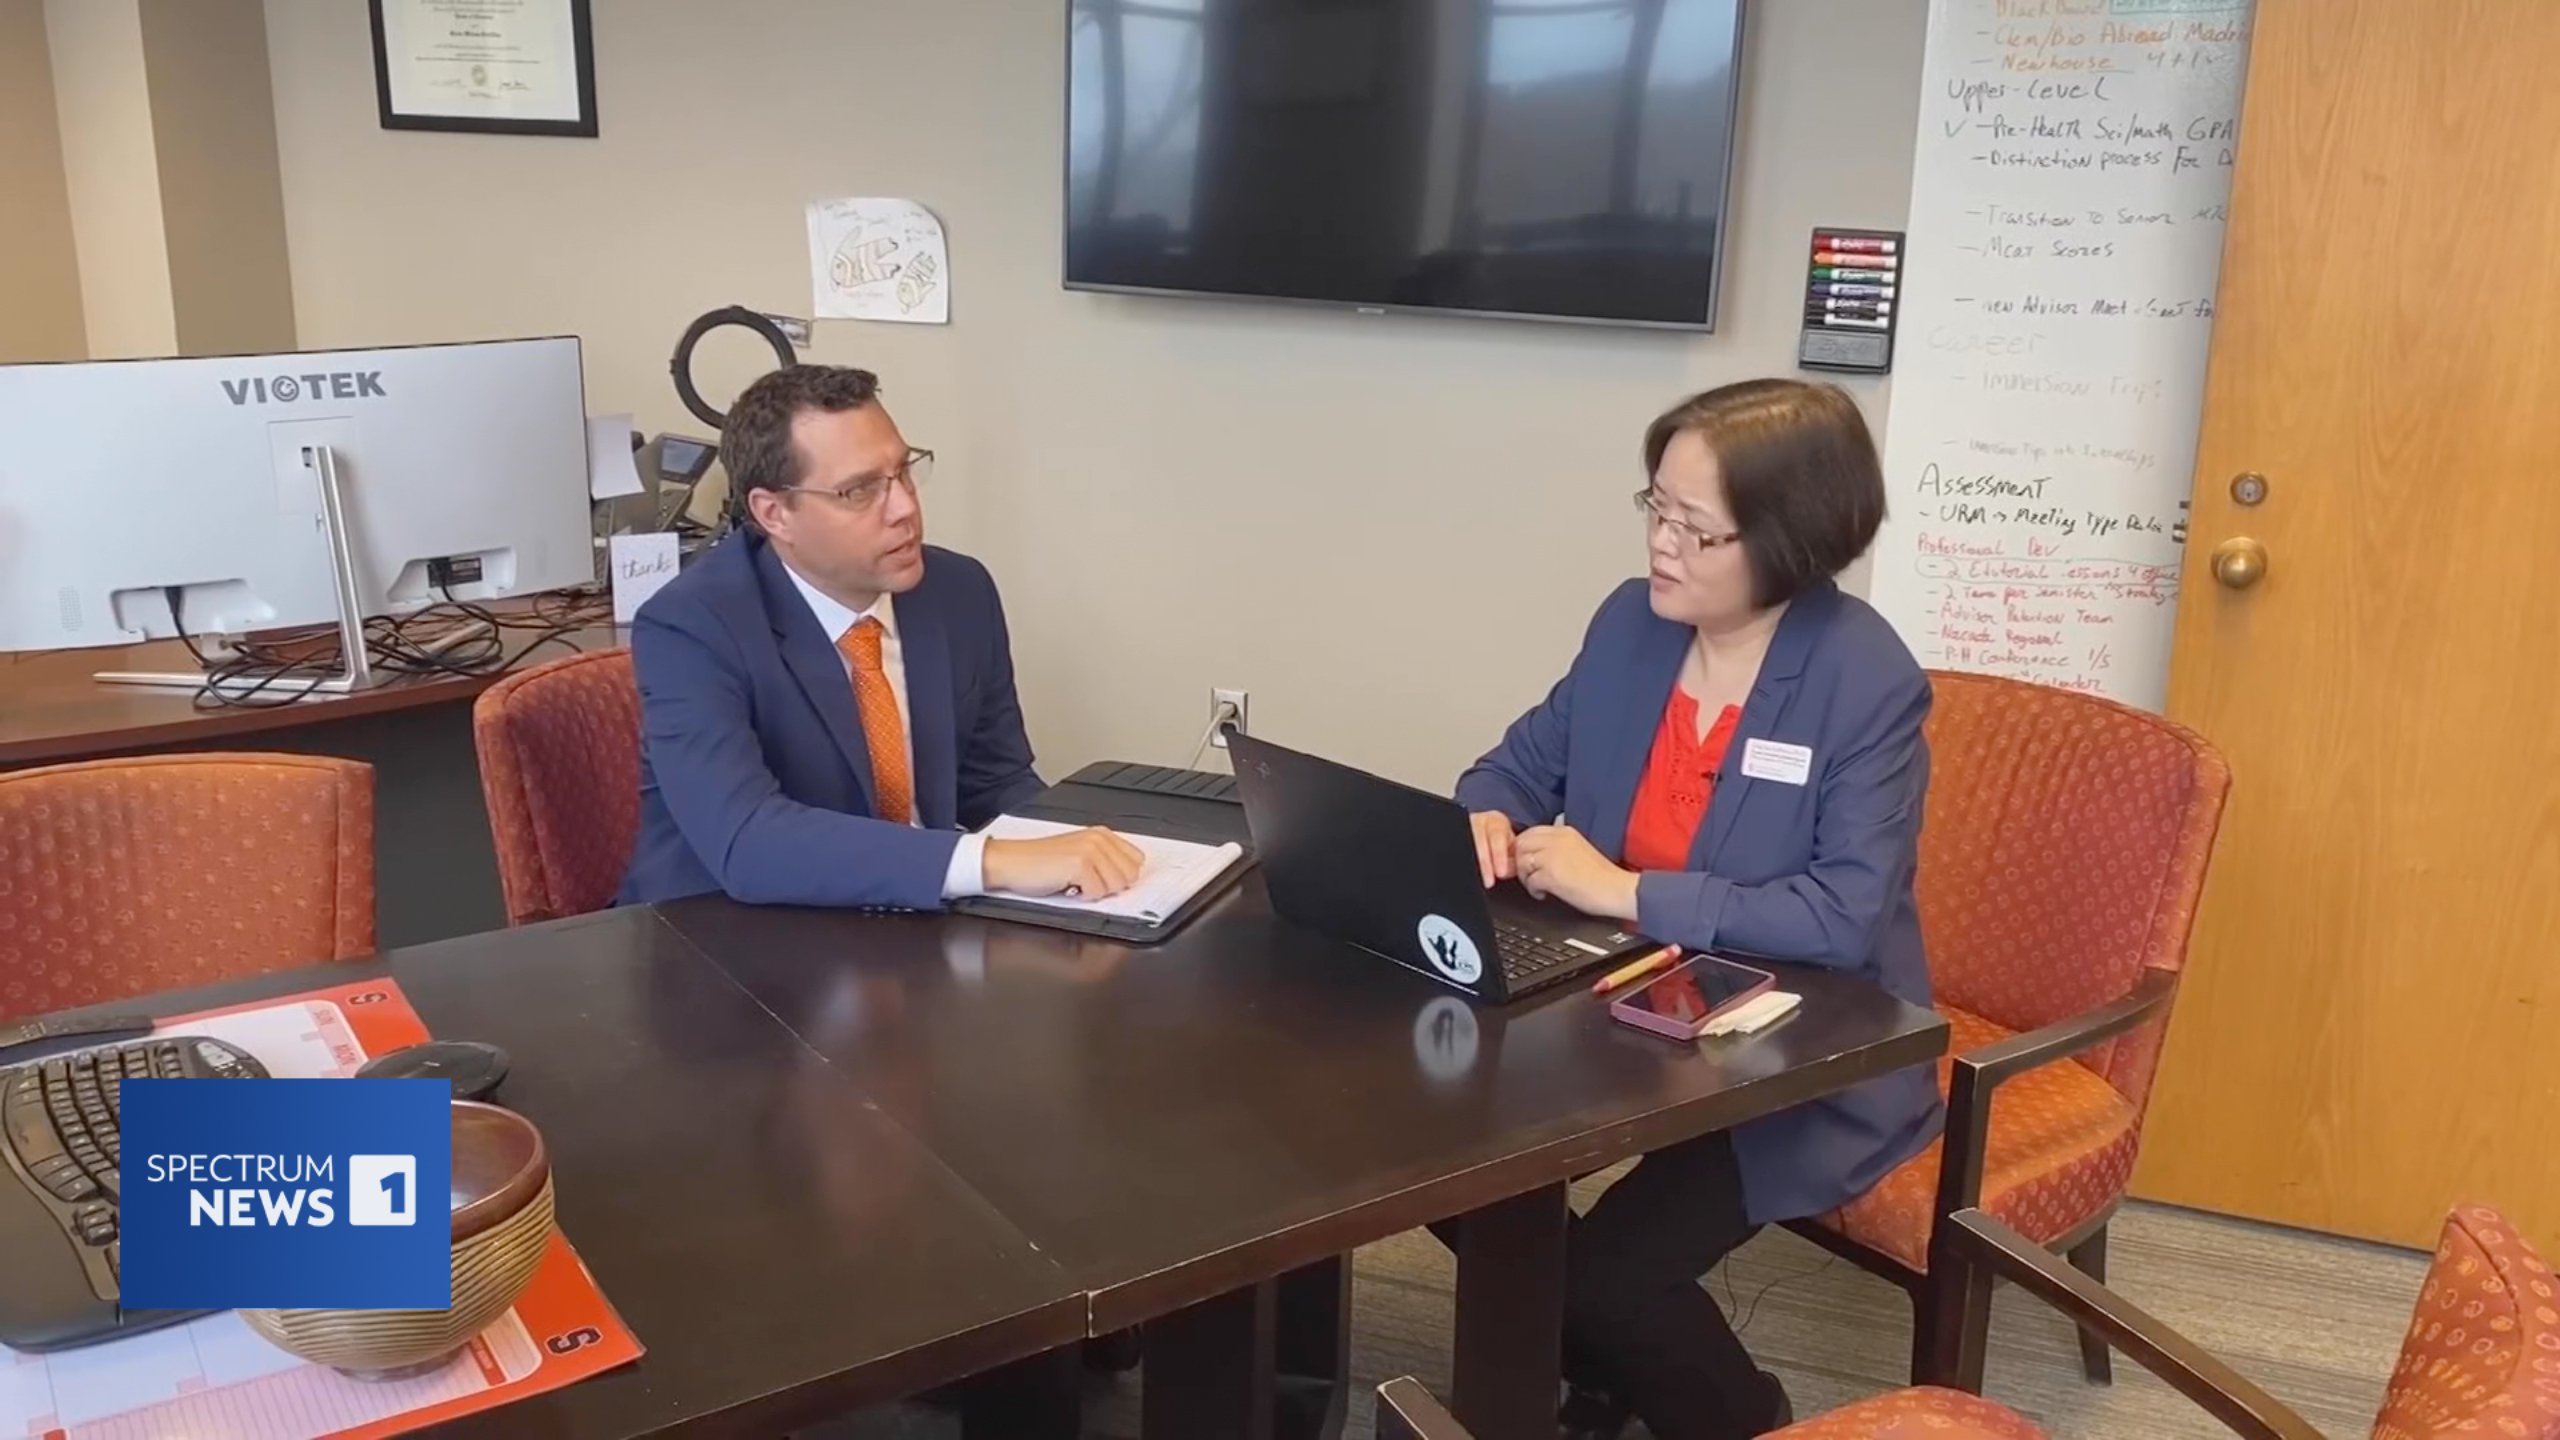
column 1818, row 872
column 755, row 778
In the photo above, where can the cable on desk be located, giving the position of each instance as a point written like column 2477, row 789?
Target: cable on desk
column 221, row 689
column 396, row 644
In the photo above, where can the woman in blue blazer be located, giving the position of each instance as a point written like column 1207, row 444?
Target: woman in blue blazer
column 1733, row 763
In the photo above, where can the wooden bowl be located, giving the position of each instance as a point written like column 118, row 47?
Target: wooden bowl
column 502, row 1225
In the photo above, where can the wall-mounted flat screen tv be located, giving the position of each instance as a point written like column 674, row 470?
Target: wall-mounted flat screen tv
column 1559, row 159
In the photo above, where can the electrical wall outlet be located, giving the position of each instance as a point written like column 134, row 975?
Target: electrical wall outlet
column 1220, row 701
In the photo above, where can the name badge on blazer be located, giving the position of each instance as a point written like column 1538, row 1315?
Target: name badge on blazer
column 1776, row 760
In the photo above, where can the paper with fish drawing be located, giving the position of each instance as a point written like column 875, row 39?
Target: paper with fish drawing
column 878, row 259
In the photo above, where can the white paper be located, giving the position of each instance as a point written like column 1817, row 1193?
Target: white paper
column 1175, row 870
column 642, row 566
column 1755, row 1014
column 610, row 472
column 878, row 259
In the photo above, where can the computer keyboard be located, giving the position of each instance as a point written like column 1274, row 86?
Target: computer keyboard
column 1157, row 780
column 1530, row 958
column 60, row 1127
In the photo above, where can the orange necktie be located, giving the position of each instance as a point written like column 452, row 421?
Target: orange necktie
column 880, row 727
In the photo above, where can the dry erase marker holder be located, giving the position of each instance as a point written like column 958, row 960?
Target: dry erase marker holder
column 1852, row 298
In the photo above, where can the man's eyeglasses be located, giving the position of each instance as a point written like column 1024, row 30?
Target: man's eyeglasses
column 865, row 492
column 1649, row 505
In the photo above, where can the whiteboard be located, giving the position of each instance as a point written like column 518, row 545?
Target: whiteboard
column 2068, row 196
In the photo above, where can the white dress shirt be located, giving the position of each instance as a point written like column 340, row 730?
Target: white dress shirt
column 968, row 872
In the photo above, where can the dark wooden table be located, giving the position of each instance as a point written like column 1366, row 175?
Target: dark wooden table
column 436, row 866
column 781, row 1246
column 820, row 1160
column 1180, row 1126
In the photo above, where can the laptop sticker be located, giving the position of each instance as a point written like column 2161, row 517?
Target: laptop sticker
column 1449, row 950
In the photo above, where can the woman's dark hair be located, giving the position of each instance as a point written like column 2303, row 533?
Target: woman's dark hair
column 755, row 443
column 1800, row 472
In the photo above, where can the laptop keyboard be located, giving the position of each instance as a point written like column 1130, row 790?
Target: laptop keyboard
column 1528, row 956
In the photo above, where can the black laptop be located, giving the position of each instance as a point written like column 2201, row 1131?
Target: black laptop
column 1392, row 870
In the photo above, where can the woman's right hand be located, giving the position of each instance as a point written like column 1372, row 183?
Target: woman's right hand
column 1494, row 836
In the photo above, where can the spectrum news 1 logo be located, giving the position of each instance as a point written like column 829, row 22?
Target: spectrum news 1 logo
column 287, row 1194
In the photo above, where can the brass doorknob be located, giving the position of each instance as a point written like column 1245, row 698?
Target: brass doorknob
column 2239, row 562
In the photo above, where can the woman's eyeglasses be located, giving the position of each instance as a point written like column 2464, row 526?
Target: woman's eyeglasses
column 1650, row 505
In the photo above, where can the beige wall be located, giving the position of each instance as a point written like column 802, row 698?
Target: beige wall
column 113, row 176
column 1389, row 529
column 222, row 204
column 39, row 271
column 161, row 134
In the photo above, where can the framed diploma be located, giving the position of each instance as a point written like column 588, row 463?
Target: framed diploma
column 507, row 67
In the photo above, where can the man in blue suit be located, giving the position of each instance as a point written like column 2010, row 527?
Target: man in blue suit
column 825, row 699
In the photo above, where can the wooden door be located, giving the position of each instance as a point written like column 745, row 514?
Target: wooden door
column 2371, row 1024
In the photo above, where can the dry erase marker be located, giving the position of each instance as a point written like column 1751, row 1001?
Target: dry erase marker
column 1850, row 292
column 1835, row 272
column 1854, row 322
column 1850, row 310
column 1880, row 307
column 1858, row 262
column 1860, row 242
column 1636, row 970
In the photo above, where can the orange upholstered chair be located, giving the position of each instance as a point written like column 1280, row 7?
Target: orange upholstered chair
column 120, row 878
column 2064, row 851
column 1927, row 1413
column 560, row 767
column 2482, row 1356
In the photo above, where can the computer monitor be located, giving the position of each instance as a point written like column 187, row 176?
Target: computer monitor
column 460, row 464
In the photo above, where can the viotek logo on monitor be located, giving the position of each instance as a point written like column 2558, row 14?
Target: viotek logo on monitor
column 286, row 1194
column 319, row 385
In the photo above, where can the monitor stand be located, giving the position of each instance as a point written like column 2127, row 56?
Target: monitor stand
column 355, row 666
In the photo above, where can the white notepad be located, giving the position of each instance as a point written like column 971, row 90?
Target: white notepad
column 1175, row 870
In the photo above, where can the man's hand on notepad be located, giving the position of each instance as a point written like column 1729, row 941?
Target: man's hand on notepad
column 1089, row 863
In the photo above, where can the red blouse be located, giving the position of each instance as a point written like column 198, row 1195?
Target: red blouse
column 1679, row 778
